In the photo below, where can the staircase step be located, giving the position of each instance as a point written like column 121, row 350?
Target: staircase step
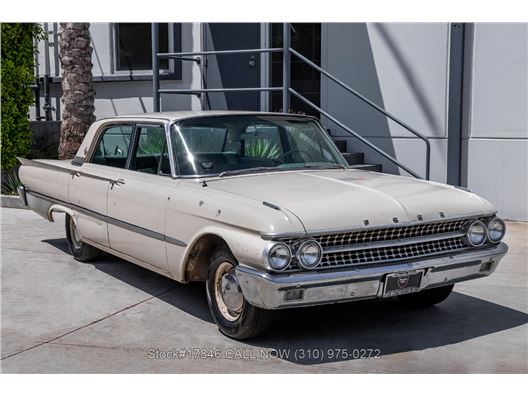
column 341, row 145
column 368, row 167
column 354, row 158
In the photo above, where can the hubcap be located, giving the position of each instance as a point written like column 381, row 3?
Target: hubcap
column 228, row 293
column 75, row 236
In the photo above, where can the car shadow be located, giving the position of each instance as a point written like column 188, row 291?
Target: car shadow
column 340, row 331
column 383, row 327
column 190, row 297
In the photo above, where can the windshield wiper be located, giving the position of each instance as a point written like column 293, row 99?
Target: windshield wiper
column 276, row 169
column 249, row 170
column 329, row 166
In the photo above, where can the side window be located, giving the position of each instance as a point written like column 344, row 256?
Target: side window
column 113, row 146
column 151, row 154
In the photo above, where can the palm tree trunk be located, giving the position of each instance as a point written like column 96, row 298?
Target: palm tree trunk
column 77, row 87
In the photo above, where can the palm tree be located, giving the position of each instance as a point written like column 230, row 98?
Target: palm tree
column 77, row 87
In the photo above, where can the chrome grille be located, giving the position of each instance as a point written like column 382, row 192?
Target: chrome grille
column 391, row 253
column 393, row 243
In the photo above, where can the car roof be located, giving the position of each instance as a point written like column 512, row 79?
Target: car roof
column 165, row 116
column 181, row 115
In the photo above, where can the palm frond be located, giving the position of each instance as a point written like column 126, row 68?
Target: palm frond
column 263, row 148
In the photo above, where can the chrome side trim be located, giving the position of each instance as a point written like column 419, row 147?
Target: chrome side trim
column 174, row 241
column 38, row 164
column 110, row 220
column 72, row 172
column 272, row 236
column 395, row 242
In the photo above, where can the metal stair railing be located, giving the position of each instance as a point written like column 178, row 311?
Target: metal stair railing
column 196, row 56
column 374, row 106
column 356, row 135
column 285, row 88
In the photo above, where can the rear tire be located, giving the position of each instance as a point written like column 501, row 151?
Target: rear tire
column 80, row 250
column 233, row 314
column 427, row 298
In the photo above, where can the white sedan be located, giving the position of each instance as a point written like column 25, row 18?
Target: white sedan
column 265, row 210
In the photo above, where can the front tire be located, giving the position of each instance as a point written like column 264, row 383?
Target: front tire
column 79, row 249
column 233, row 314
column 427, row 298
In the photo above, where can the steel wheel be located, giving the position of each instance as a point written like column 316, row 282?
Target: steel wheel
column 75, row 236
column 233, row 314
column 79, row 249
column 228, row 293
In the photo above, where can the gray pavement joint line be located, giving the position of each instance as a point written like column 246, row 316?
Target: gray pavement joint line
column 61, row 253
column 87, row 325
column 93, row 346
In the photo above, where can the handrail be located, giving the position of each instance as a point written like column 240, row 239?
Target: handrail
column 286, row 89
column 198, row 91
column 356, row 135
column 374, row 105
column 169, row 55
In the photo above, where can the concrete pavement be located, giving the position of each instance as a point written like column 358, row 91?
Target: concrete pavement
column 110, row 316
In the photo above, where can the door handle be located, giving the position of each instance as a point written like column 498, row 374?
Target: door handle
column 252, row 61
column 118, row 182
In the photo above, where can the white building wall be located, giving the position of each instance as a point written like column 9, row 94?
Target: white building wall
column 127, row 97
column 404, row 69
column 497, row 140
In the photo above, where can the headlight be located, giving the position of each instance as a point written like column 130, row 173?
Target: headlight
column 279, row 256
column 309, row 254
column 496, row 230
column 476, row 233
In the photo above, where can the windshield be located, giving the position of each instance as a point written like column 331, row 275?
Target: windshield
column 226, row 145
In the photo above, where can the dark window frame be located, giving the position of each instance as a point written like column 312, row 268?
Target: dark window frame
column 298, row 67
column 174, row 70
column 100, row 135
column 134, row 138
column 135, row 145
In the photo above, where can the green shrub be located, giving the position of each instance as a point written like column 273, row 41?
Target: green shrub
column 17, row 63
column 10, row 183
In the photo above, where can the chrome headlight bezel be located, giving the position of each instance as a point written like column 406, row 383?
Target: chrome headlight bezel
column 302, row 247
column 484, row 234
column 496, row 220
column 269, row 256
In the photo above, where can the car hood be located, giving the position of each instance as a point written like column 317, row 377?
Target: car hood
column 336, row 199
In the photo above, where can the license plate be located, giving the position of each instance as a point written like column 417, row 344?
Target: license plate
column 402, row 283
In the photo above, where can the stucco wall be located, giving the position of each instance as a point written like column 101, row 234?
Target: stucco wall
column 497, row 139
column 404, row 69
column 401, row 67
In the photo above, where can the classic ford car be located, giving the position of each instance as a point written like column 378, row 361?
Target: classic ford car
column 265, row 210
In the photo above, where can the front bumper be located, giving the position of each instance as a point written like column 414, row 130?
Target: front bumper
column 268, row 291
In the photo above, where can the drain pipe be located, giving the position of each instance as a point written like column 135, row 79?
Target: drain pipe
column 155, row 67
column 36, row 86
column 286, row 43
column 46, row 84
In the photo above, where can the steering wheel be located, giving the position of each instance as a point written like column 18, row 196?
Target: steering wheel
column 289, row 153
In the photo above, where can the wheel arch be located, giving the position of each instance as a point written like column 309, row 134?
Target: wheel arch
column 61, row 209
column 197, row 261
